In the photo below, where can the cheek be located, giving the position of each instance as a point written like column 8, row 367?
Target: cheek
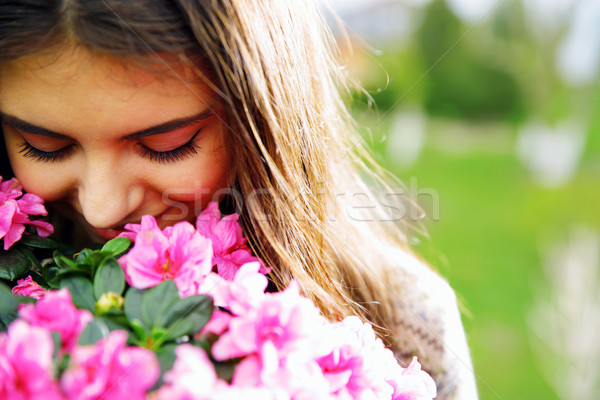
column 50, row 184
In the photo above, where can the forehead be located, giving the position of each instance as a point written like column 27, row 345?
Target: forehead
column 77, row 91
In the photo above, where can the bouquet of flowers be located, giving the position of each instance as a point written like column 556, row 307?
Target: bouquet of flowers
column 178, row 313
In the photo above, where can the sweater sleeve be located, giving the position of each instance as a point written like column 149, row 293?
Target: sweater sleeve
column 429, row 327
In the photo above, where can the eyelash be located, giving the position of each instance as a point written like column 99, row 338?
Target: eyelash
column 163, row 157
column 45, row 156
column 178, row 154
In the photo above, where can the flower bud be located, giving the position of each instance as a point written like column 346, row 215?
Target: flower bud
column 108, row 302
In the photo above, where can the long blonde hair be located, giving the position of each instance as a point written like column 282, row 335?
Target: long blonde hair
column 296, row 153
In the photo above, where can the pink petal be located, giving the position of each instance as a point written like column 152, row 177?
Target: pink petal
column 219, row 322
column 129, row 235
column 208, row 218
column 43, row 228
column 7, row 212
column 193, row 376
column 148, row 223
column 13, row 235
column 229, row 233
column 28, row 287
column 247, row 372
column 11, row 188
column 32, row 204
column 226, row 268
column 140, row 268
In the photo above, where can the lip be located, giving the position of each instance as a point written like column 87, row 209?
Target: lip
column 111, row 233
column 108, row 234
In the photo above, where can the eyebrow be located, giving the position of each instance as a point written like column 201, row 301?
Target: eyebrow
column 17, row 123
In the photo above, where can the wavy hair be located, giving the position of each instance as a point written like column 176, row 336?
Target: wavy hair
column 299, row 163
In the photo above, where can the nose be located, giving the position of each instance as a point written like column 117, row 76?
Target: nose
column 108, row 193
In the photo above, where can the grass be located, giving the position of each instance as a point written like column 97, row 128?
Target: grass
column 487, row 244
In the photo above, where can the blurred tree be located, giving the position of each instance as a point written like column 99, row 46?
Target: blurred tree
column 463, row 84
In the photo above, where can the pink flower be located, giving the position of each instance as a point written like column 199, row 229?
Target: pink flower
column 56, row 312
column 193, row 375
column 244, row 293
column 218, row 323
column 229, row 245
column 30, row 288
column 32, row 204
column 26, row 363
column 148, row 223
column 239, row 295
column 231, row 392
column 15, row 212
column 11, row 232
column 284, row 325
column 110, row 370
column 10, row 190
column 178, row 253
column 296, row 376
column 357, row 363
column 359, row 366
column 412, row 383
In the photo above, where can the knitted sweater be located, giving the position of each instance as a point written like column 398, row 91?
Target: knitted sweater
column 429, row 327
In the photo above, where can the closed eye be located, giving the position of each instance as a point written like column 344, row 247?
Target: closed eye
column 159, row 147
column 45, row 156
column 170, row 156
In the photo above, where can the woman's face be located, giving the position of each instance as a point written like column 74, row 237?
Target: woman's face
column 109, row 142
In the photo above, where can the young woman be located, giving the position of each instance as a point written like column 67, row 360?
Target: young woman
column 115, row 109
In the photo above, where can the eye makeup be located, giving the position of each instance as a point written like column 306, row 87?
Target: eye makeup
column 29, row 151
column 171, row 156
column 179, row 153
column 147, row 140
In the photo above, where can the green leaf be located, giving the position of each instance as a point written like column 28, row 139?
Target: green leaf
column 109, row 278
column 6, row 320
column 82, row 291
column 133, row 306
column 166, row 358
column 157, row 337
column 188, row 316
column 65, row 274
column 39, row 242
column 94, row 331
column 157, row 302
column 82, row 255
column 50, row 274
column 179, row 328
column 116, row 246
column 13, row 264
column 115, row 321
column 63, row 364
column 62, row 261
column 139, row 330
column 94, row 259
column 8, row 302
column 9, row 306
column 56, row 342
column 31, row 257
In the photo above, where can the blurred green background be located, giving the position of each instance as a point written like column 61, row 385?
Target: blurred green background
column 494, row 105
